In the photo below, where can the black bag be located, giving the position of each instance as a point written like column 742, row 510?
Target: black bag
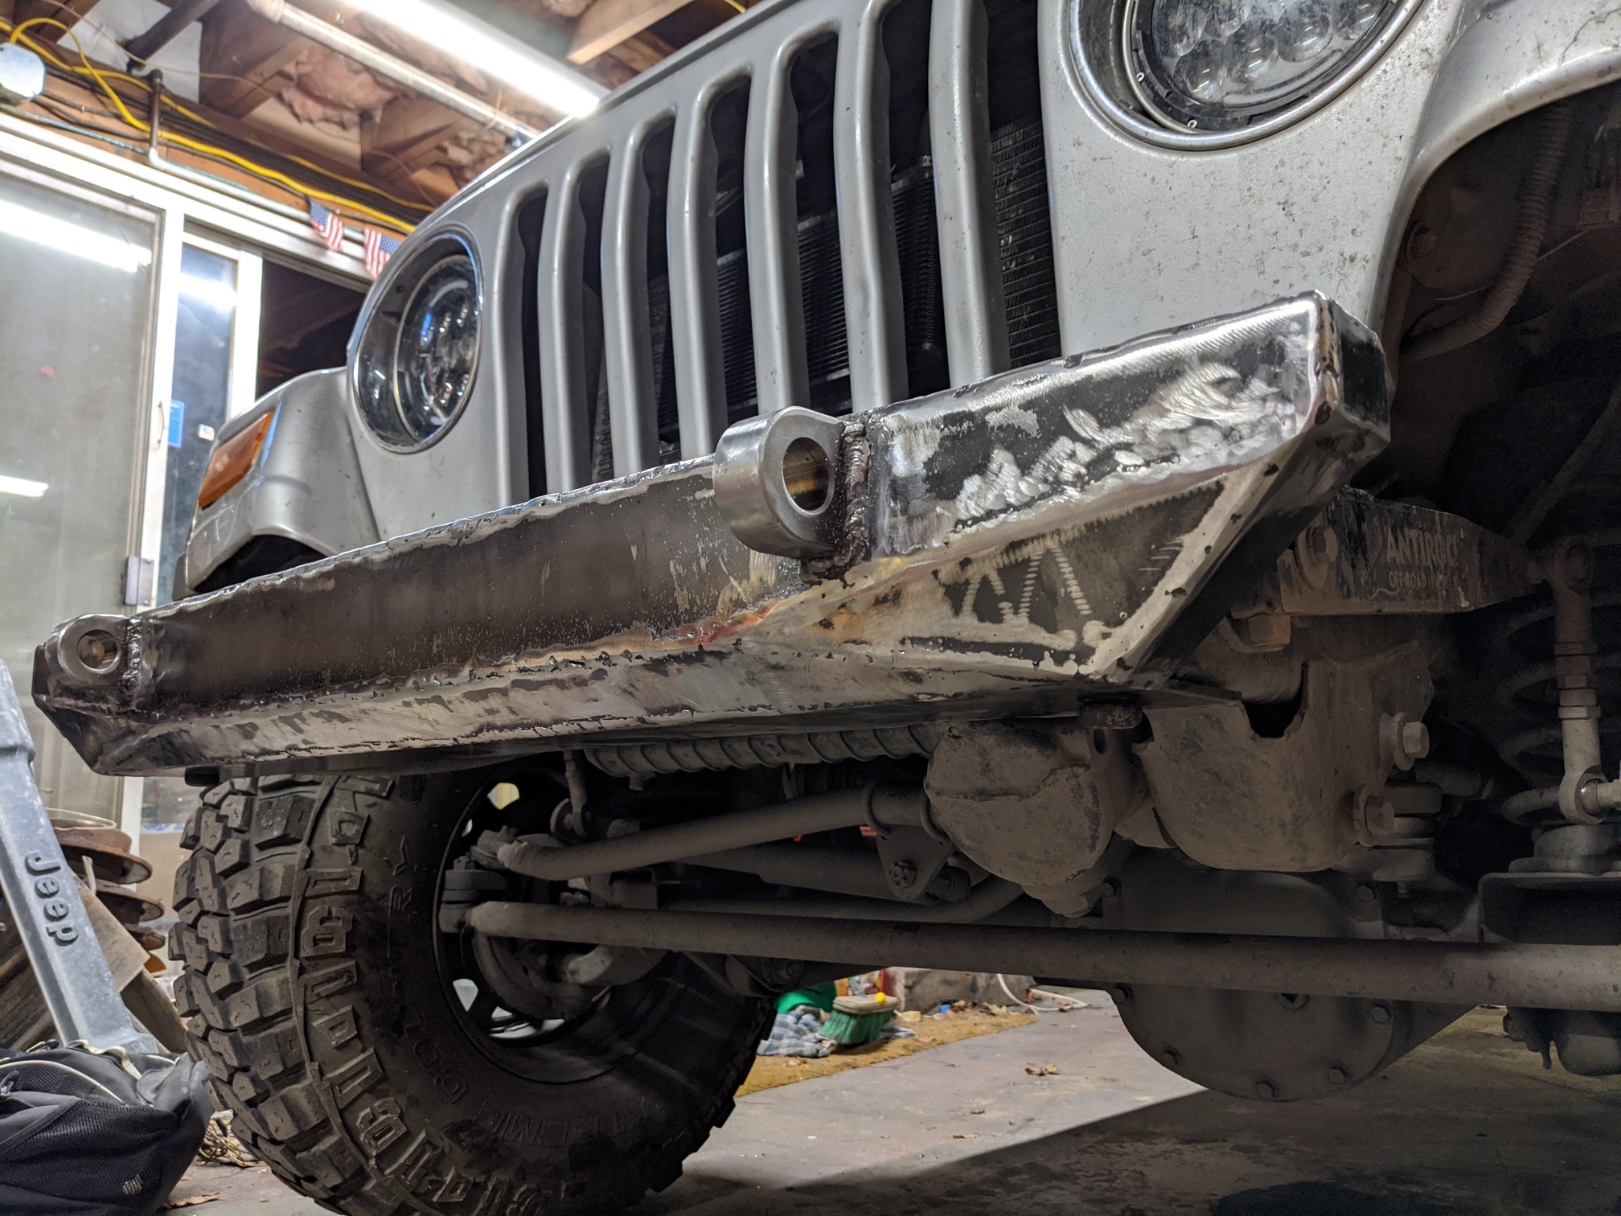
column 96, row 1133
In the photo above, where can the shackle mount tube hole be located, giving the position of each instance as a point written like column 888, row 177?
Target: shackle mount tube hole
column 807, row 472
column 98, row 650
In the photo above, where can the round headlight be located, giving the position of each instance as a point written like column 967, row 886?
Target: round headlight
column 1218, row 73
column 438, row 347
column 418, row 351
column 1221, row 65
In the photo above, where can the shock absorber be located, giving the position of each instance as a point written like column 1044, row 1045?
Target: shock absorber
column 1583, row 795
column 1567, row 890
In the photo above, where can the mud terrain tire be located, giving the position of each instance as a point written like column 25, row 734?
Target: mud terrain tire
column 311, row 990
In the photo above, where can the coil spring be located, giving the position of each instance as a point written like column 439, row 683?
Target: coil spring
column 1519, row 667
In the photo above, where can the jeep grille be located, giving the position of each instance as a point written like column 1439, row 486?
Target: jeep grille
column 834, row 204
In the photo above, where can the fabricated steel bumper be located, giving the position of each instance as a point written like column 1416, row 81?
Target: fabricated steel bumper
column 1052, row 535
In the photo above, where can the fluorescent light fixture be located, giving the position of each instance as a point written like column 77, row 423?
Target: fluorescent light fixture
column 64, row 236
column 22, row 487
column 449, row 29
column 210, row 293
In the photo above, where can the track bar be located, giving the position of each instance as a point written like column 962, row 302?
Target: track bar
column 1446, row 973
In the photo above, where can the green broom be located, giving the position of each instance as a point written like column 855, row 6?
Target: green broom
column 858, row 1019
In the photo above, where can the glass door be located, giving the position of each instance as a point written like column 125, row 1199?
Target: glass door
column 76, row 307
column 216, row 349
column 216, row 358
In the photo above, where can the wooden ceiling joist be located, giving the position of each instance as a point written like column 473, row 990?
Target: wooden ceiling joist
column 607, row 23
column 242, row 58
column 409, row 145
column 66, row 11
column 404, row 139
column 643, row 51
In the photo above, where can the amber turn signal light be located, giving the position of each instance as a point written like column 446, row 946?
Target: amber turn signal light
column 232, row 459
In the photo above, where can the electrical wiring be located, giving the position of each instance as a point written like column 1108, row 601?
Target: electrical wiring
column 423, row 207
column 179, row 108
column 79, row 127
column 176, row 105
column 80, row 118
column 17, row 34
column 71, row 127
column 296, row 190
column 75, row 126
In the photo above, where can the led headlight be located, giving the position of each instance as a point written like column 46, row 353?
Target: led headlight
column 418, row 351
column 1221, row 65
column 1217, row 73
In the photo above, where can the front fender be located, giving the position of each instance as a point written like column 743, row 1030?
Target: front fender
column 1506, row 58
column 305, row 486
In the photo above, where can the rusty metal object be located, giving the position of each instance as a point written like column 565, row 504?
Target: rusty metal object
column 116, row 869
column 129, row 906
column 1234, row 800
column 111, row 861
column 1364, row 555
column 1011, row 546
column 1033, row 802
column 84, row 833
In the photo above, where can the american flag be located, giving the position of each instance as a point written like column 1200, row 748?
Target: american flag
column 328, row 224
column 379, row 248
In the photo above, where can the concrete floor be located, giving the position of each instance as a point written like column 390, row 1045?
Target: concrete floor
column 1468, row 1123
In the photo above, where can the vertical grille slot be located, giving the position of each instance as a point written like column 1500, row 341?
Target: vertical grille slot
column 852, row 209
column 788, row 183
column 631, row 240
column 688, row 339
column 869, row 269
column 928, row 366
column 821, row 260
column 656, row 157
column 728, row 127
column 569, row 321
column 594, row 390
column 529, row 221
column 1018, row 165
column 911, row 185
column 959, row 132
column 737, row 332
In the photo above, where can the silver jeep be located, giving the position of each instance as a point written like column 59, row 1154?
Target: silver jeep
column 1121, row 491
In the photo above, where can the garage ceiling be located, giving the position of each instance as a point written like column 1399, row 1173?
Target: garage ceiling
column 241, row 82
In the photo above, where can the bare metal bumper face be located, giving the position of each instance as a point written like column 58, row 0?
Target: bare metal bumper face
column 1048, row 535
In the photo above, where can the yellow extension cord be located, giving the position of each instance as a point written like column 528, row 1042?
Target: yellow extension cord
column 17, row 35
